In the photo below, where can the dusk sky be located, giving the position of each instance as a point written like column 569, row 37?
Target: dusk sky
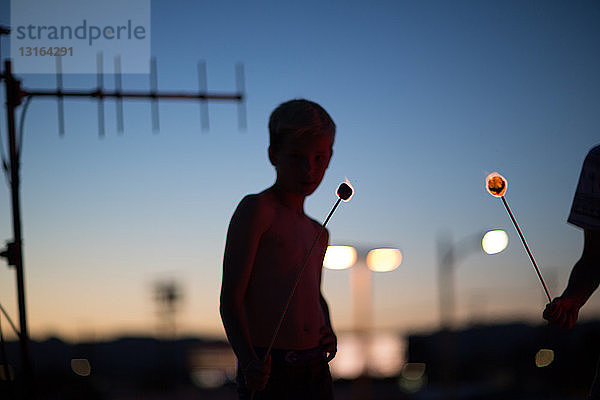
column 428, row 97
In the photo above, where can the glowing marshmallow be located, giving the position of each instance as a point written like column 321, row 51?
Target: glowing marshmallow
column 345, row 191
column 496, row 184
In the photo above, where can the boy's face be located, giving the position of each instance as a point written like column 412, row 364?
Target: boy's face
column 301, row 162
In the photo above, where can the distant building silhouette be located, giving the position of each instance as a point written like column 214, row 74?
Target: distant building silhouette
column 506, row 359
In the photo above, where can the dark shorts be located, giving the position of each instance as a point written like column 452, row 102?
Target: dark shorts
column 295, row 375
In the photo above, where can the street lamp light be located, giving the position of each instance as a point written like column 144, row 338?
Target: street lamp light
column 494, row 242
column 384, row 259
column 363, row 263
column 339, row 257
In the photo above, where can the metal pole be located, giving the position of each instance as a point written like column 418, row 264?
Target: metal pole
column 13, row 99
column 446, row 266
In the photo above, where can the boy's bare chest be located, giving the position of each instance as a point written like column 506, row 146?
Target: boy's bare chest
column 287, row 242
column 290, row 234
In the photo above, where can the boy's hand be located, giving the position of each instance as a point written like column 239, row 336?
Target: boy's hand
column 562, row 312
column 257, row 374
column 328, row 343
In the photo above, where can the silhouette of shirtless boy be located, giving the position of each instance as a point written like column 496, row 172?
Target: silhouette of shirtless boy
column 268, row 238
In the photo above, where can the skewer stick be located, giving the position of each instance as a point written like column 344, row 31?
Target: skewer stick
column 496, row 185
column 537, row 270
column 298, row 276
column 344, row 192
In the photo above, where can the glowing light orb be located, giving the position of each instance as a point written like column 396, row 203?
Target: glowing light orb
column 494, row 242
column 81, row 366
column 384, row 260
column 413, row 378
column 345, row 191
column 339, row 257
column 350, row 362
column 544, row 357
column 413, row 371
column 496, row 184
column 208, row 378
column 384, row 355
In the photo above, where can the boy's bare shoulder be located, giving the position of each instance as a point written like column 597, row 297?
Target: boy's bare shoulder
column 257, row 207
column 324, row 238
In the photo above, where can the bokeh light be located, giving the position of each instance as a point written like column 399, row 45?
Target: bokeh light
column 384, row 260
column 385, row 356
column 495, row 241
column 350, row 362
column 544, row 357
column 339, row 257
column 413, row 378
column 208, row 378
column 212, row 367
column 81, row 366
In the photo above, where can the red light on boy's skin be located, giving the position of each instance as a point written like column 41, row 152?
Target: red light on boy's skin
column 496, row 184
column 345, row 191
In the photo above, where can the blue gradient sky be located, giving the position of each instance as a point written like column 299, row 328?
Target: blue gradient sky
column 428, row 98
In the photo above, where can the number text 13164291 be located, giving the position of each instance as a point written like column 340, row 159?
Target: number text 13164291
column 45, row 51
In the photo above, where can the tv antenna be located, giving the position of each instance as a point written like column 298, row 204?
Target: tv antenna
column 16, row 94
column 168, row 295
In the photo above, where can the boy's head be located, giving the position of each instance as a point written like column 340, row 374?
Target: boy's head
column 299, row 117
column 301, row 136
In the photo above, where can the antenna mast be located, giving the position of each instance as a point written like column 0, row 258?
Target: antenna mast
column 15, row 93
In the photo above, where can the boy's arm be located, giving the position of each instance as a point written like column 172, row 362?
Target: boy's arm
column 583, row 281
column 585, row 275
column 247, row 225
column 328, row 340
